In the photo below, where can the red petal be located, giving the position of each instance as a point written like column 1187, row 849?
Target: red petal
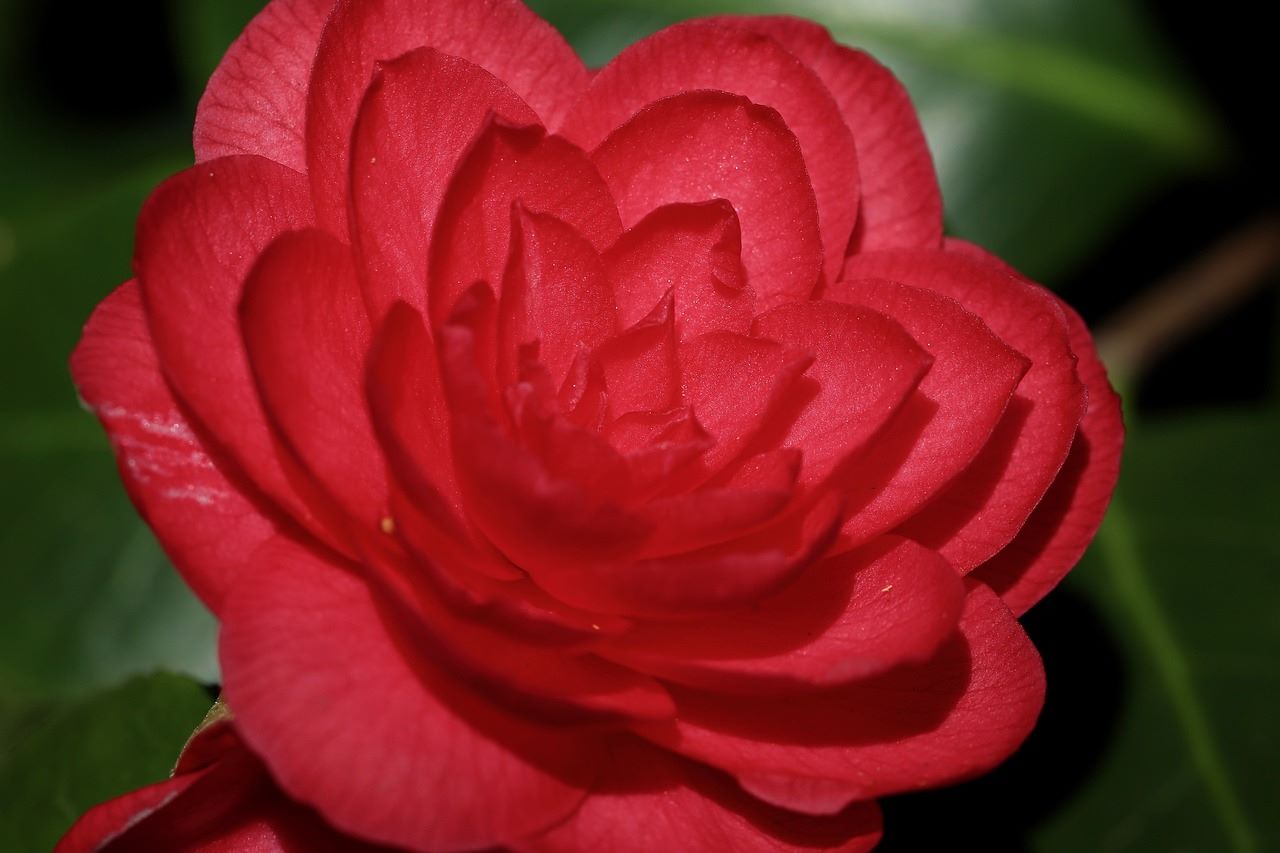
column 707, row 145
column 383, row 746
column 231, row 805
column 865, row 366
column 198, row 235
column 901, row 202
column 846, row 618
column 755, row 494
column 700, row 55
column 539, row 521
column 983, row 508
column 401, row 164
column 954, row 717
column 693, row 251
column 640, row 369
column 176, row 480
column 501, row 36
column 648, row 799
column 306, row 333
column 734, row 385
column 948, row 418
column 1064, row 522
column 554, row 293
column 508, row 164
column 257, row 97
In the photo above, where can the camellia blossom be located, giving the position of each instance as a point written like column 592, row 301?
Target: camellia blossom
column 614, row 460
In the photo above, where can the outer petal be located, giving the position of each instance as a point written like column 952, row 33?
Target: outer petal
column 378, row 741
column 501, row 36
column 865, row 366
column 954, row 717
column 229, row 806
column 198, row 235
column 983, row 508
column 704, row 55
column 1063, row 524
column 707, row 145
column 306, row 333
column 505, row 165
column 401, row 163
column 950, row 415
column 845, row 618
column 901, row 202
column 256, row 101
column 648, row 799
column 205, row 523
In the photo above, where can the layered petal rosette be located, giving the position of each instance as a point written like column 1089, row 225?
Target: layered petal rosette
column 593, row 461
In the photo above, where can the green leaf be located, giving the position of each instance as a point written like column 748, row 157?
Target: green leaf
column 86, row 597
column 59, row 759
column 1048, row 121
column 1184, row 573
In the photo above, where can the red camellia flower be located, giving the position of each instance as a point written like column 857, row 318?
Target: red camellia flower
column 585, row 461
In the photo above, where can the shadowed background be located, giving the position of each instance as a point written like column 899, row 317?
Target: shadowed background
column 1115, row 150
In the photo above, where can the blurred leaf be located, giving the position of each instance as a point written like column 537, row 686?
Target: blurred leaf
column 86, row 597
column 57, row 760
column 1187, row 575
column 205, row 29
column 1048, row 121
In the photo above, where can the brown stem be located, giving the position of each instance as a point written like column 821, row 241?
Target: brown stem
column 1190, row 299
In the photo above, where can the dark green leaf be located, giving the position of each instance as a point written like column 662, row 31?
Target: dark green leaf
column 1185, row 573
column 86, row 598
column 59, row 759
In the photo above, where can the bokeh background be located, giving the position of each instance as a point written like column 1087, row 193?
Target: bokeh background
column 1119, row 151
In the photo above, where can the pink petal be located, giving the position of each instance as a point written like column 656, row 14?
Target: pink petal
column 554, row 293
column 865, row 367
column 174, row 477
column 198, row 235
column 701, row 55
column 950, row 415
column 735, row 386
column 953, row 717
column 648, row 799
column 306, row 333
column 401, row 164
column 702, row 146
column 256, row 100
column 508, row 164
column 983, row 508
column 383, row 746
column 693, row 251
column 501, row 36
column 901, row 202
column 846, row 618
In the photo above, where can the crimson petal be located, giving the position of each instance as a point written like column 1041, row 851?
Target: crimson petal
column 983, row 509
column 901, row 201
column 257, row 96
column 401, row 164
column 379, row 742
column 702, row 146
column 703, row 55
column 648, row 799
column 501, row 36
